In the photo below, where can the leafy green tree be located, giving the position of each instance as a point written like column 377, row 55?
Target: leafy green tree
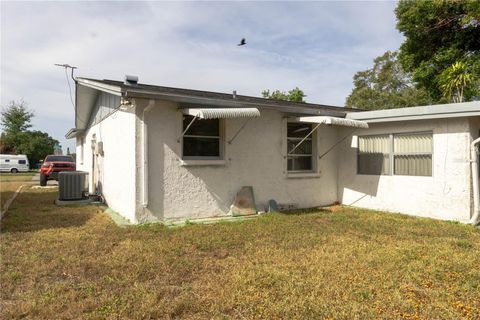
column 385, row 86
column 16, row 117
column 438, row 34
column 16, row 120
column 16, row 138
column 37, row 145
column 294, row 95
column 455, row 81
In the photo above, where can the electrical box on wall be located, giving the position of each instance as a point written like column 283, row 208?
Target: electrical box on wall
column 99, row 148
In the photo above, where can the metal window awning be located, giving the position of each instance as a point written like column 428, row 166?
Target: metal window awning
column 319, row 120
column 334, row 121
column 222, row 113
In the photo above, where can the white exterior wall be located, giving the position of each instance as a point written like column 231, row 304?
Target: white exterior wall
column 255, row 158
column 445, row 195
column 115, row 169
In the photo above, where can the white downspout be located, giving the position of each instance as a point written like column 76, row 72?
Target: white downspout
column 145, row 155
column 474, row 164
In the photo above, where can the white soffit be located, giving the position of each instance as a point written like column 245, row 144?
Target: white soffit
column 335, row 121
column 222, row 113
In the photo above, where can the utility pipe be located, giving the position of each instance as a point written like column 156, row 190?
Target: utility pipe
column 145, row 154
column 474, row 164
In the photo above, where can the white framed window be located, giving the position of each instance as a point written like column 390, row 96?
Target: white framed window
column 300, row 156
column 407, row 154
column 203, row 139
column 412, row 154
column 374, row 154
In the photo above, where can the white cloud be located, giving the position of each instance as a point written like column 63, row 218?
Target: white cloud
column 315, row 46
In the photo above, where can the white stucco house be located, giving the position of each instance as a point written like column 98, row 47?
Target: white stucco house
column 162, row 154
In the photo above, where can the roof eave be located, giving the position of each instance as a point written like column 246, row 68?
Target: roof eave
column 73, row 133
column 115, row 90
column 442, row 111
column 238, row 103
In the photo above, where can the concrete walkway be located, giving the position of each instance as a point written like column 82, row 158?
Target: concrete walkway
column 36, row 180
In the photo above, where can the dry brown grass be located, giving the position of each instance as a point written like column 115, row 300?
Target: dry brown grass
column 347, row 264
column 9, row 182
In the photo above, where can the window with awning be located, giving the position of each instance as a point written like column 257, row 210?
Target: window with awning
column 202, row 138
column 300, row 147
column 202, row 135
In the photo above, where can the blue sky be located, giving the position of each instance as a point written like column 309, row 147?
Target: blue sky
column 316, row 46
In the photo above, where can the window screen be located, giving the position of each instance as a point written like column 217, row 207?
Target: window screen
column 22, row 161
column 413, row 154
column 299, row 158
column 374, row 154
column 202, row 139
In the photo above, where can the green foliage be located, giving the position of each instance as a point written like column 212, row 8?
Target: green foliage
column 438, row 34
column 294, row 95
column 455, row 80
column 385, row 86
column 37, row 145
column 16, row 117
column 17, row 139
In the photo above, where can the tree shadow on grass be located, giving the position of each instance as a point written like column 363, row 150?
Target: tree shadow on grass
column 36, row 210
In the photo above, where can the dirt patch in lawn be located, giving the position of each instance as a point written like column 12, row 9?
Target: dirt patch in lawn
column 73, row 262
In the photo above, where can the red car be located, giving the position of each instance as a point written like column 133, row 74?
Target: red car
column 52, row 165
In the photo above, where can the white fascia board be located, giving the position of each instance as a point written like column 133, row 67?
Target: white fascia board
column 451, row 110
column 115, row 90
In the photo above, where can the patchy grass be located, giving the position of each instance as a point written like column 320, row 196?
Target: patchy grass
column 9, row 182
column 73, row 262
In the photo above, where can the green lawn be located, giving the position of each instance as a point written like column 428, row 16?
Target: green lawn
column 9, row 182
column 60, row 262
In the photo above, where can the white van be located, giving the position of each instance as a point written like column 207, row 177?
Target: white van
column 14, row 163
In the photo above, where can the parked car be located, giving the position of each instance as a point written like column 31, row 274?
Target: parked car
column 52, row 165
column 14, row 163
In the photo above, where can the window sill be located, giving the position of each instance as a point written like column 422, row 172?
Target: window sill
column 210, row 162
column 303, row 175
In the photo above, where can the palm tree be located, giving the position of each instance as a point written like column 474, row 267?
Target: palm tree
column 454, row 80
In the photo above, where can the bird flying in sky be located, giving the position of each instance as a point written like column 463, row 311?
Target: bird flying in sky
column 242, row 42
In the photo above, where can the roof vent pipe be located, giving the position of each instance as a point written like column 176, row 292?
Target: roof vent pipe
column 131, row 80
